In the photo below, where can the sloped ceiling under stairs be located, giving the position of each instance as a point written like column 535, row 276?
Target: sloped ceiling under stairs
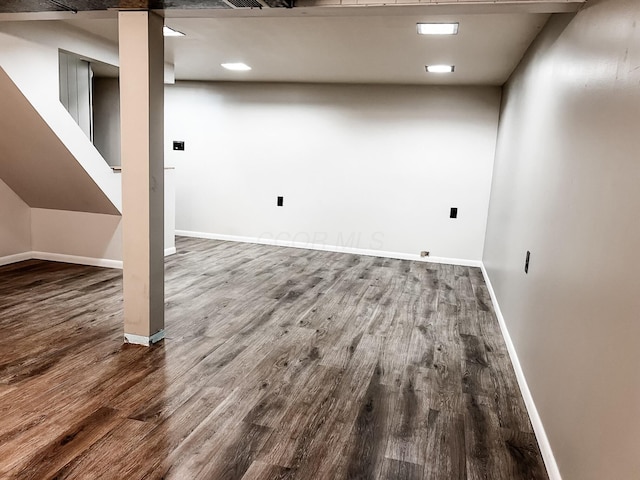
column 35, row 163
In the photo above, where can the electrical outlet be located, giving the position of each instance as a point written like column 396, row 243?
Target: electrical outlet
column 280, row 202
column 424, row 253
column 178, row 146
column 453, row 213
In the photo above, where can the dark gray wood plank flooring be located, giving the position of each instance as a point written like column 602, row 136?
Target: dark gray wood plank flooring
column 278, row 363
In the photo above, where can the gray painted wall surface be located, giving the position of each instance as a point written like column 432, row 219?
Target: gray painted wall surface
column 566, row 186
column 75, row 90
column 365, row 167
column 106, row 118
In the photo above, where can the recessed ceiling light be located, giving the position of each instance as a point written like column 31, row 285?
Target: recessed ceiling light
column 170, row 32
column 440, row 68
column 236, row 67
column 438, row 28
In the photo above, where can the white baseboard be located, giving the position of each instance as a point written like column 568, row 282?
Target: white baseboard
column 18, row 257
column 60, row 257
column 142, row 340
column 64, row 258
column 330, row 248
column 536, row 421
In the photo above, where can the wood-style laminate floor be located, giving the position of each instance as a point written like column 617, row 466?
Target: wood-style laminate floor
column 279, row 363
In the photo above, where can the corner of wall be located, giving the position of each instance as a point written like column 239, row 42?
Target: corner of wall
column 538, row 427
column 15, row 218
column 76, row 237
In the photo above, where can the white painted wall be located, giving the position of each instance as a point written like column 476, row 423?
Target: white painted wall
column 566, row 188
column 169, row 211
column 76, row 234
column 95, row 238
column 366, row 167
column 15, row 224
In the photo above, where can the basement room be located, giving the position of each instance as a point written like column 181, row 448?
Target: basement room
column 319, row 239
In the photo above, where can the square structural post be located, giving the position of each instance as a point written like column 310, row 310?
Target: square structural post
column 142, row 132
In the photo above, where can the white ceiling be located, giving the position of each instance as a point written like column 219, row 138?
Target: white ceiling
column 344, row 48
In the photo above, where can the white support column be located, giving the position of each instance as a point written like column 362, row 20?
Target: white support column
column 142, row 127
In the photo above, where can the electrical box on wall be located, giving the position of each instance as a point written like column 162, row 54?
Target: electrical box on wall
column 178, row 145
column 280, row 201
column 454, row 212
column 526, row 262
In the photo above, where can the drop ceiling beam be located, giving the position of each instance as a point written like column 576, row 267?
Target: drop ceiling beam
column 468, row 6
column 334, row 8
column 325, row 8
